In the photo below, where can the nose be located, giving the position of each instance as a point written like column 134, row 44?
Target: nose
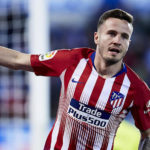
column 117, row 40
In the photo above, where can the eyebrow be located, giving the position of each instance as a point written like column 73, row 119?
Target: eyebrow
column 124, row 33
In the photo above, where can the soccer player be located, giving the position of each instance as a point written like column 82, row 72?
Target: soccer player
column 98, row 88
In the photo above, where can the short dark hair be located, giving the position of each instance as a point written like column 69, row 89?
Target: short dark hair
column 115, row 13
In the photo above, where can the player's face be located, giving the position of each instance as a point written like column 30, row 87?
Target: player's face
column 112, row 39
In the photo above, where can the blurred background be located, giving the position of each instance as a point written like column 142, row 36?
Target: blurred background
column 70, row 24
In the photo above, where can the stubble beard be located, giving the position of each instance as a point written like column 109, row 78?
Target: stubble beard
column 112, row 61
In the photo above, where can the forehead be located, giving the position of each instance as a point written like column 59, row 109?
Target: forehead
column 118, row 25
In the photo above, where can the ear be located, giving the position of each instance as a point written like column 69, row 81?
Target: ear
column 96, row 37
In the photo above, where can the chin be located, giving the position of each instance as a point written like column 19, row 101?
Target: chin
column 111, row 61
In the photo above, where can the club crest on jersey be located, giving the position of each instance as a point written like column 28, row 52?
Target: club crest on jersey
column 116, row 99
column 47, row 56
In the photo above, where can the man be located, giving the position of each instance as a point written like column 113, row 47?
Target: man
column 98, row 89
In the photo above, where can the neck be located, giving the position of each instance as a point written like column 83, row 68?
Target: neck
column 106, row 69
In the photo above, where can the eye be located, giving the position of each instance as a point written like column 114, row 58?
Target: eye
column 125, row 36
column 112, row 33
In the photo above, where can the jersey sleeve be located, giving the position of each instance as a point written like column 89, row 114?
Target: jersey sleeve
column 53, row 62
column 141, row 107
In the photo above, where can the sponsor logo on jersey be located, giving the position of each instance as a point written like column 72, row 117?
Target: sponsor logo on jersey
column 47, row 56
column 116, row 99
column 76, row 81
column 147, row 111
column 88, row 114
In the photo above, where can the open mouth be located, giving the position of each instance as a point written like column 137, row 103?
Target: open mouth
column 114, row 50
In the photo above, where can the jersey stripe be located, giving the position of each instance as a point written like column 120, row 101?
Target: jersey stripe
column 124, row 86
column 72, row 86
column 78, row 91
column 76, row 75
column 55, row 132
column 110, row 143
column 83, row 79
column 59, row 142
column 90, row 141
column 73, row 140
column 96, row 91
column 88, row 89
column 59, row 133
column 124, row 90
column 103, row 98
column 98, row 142
column 115, row 87
column 67, row 135
column 57, row 123
column 68, row 76
column 49, row 139
column 82, row 137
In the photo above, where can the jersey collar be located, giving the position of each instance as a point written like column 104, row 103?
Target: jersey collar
column 124, row 69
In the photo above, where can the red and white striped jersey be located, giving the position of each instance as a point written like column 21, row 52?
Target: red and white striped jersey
column 91, row 107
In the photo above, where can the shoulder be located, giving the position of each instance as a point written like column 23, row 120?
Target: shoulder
column 83, row 52
column 135, row 80
column 75, row 53
column 138, row 86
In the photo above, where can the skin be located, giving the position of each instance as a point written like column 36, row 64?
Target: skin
column 145, row 134
column 14, row 59
column 112, row 34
